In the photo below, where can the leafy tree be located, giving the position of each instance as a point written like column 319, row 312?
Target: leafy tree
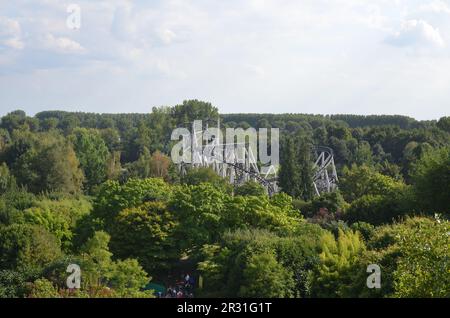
column 196, row 176
column 5, row 138
column 27, row 247
column 431, row 177
column 413, row 257
column 49, row 124
column 12, row 203
column 192, row 110
column 113, row 166
column 111, row 137
column 44, row 162
column 250, row 188
column 155, row 166
column 150, row 229
column 93, row 155
column 12, row 284
column 295, row 176
column 423, row 269
column 125, row 277
column 42, row 288
column 6, row 179
column 260, row 212
column 365, row 229
column 364, row 180
column 112, row 197
column 129, row 278
column 159, row 165
column 379, row 209
column 237, row 266
column 58, row 217
column 199, row 209
column 363, row 154
column 264, row 277
column 336, row 259
column 444, row 124
column 14, row 120
column 332, row 202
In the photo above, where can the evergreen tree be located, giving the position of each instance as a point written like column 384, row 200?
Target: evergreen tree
column 296, row 175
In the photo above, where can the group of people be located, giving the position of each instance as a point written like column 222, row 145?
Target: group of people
column 184, row 288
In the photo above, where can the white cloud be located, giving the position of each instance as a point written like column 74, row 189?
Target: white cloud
column 416, row 32
column 436, row 6
column 62, row 44
column 166, row 36
column 10, row 33
column 242, row 55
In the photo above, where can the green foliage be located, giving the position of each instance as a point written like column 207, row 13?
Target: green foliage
column 424, row 268
column 58, row 217
column 261, row 212
column 295, row 176
column 199, row 209
column 7, row 181
column 332, row 202
column 125, row 277
column 336, row 260
column 112, row 197
column 44, row 162
column 444, row 124
column 192, row 110
column 431, row 177
column 264, row 277
column 12, row 203
column 413, row 257
column 150, row 229
column 258, row 263
column 364, row 180
column 12, row 284
column 155, row 166
column 365, row 229
column 250, row 188
column 380, row 209
column 93, row 155
column 200, row 175
column 247, row 244
column 18, row 120
column 375, row 198
column 27, row 247
column 43, row 288
column 206, row 211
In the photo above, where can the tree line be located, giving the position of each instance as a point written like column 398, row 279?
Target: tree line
column 100, row 191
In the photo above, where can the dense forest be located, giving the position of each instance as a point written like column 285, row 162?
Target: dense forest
column 100, row 191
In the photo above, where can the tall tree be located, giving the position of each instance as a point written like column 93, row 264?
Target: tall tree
column 431, row 178
column 44, row 162
column 93, row 154
column 296, row 175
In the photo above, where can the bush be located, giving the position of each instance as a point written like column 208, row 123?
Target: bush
column 27, row 247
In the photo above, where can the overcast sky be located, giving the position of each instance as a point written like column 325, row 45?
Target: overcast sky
column 273, row 56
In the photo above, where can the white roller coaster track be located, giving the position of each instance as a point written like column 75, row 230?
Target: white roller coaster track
column 324, row 178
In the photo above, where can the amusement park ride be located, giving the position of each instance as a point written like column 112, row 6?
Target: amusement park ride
column 246, row 169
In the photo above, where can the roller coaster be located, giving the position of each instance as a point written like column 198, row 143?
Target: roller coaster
column 325, row 177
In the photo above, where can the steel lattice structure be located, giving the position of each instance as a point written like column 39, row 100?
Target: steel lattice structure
column 240, row 171
column 325, row 176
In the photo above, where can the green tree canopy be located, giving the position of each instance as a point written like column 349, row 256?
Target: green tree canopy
column 431, row 177
column 93, row 154
column 44, row 162
column 27, row 247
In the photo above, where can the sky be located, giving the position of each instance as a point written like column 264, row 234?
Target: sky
column 246, row 56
